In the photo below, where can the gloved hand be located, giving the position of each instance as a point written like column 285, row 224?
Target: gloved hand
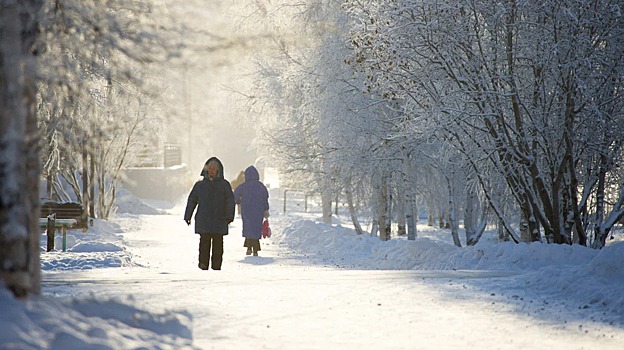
column 266, row 214
column 188, row 222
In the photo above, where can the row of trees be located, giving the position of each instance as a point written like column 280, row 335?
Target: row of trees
column 509, row 112
column 85, row 87
column 78, row 103
column 97, row 105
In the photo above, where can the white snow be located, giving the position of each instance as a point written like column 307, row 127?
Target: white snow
column 133, row 283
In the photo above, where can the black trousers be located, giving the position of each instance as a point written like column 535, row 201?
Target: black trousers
column 208, row 241
column 254, row 244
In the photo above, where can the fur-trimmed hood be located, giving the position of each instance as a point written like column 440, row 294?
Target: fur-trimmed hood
column 204, row 173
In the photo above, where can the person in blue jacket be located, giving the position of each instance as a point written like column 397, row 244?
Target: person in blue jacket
column 253, row 198
column 214, row 200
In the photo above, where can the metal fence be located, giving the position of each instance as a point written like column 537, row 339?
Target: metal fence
column 173, row 155
column 295, row 200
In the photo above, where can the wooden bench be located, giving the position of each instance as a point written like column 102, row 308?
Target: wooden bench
column 50, row 224
column 65, row 216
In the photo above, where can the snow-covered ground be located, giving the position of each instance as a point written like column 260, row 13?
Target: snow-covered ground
column 133, row 283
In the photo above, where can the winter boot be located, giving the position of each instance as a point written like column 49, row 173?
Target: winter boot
column 248, row 251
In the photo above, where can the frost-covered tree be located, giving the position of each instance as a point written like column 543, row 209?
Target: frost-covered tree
column 315, row 117
column 95, row 51
column 532, row 89
column 81, row 47
column 288, row 97
column 19, row 163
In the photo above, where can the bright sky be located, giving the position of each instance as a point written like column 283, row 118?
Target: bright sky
column 134, row 282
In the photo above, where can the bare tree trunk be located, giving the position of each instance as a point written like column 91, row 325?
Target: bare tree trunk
column 430, row 213
column 85, row 183
column 600, row 235
column 388, row 225
column 91, row 186
column 374, row 228
column 326, row 204
column 383, row 210
column 578, row 232
column 503, row 235
column 452, row 213
column 525, row 235
column 19, row 152
column 33, row 172
column 441, row 215
column 480, row 228
column 411, row 214
column 401, row 214
column 354, row 219
column 380, row 205
column 49, row 186
column 469, row 215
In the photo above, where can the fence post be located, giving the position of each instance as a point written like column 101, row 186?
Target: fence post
column 285, row 191
column 50, row 229
column 64, row 230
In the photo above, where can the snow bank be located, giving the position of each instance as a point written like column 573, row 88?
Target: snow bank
column 330, row 242
column 126, row 203
column 579, row 276
column 100, row 246
column 89, row 323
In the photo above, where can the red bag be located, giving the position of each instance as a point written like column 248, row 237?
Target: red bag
column 266, row 230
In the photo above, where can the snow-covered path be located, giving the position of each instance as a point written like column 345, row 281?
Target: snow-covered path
column 278, row 301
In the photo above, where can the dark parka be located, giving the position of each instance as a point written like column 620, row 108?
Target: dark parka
column 253, row 197
column 214, row 201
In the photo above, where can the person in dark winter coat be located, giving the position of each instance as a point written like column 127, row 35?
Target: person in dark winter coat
column 214, row 200
column 253, row 198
